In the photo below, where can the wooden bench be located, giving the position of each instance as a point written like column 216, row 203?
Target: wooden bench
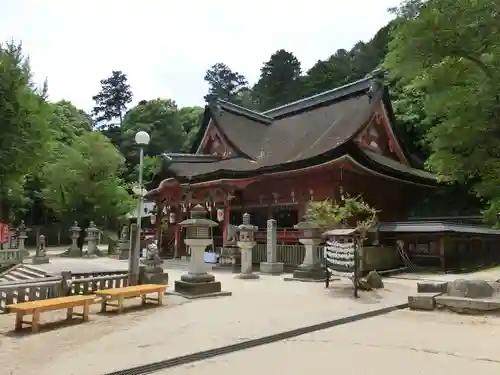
column 120, row 294
column 36, row 307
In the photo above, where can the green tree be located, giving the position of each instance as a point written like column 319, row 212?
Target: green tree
column 454, row 59
column 78, row 185
column 224, row 84
column 111, row 101
column 191, row 118
column 279, row 81
column 68, row 122
column 162, row 120
column 24, row 120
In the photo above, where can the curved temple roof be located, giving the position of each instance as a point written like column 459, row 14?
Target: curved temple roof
column 301, row 134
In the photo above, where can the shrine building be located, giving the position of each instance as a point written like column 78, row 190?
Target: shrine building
column 270, row 164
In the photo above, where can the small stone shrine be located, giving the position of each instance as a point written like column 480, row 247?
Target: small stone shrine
column 246, row 243
column 41, row 256
column 310, row 237
column 272, row 266
column 198, row 282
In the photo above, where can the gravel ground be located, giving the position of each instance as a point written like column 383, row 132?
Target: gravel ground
column 111, row 342
column 402, row 342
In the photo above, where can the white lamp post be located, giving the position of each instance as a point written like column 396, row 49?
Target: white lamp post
column 142, row 139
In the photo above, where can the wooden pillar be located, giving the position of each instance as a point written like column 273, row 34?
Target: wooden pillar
column 442, row 253
column 178, row 231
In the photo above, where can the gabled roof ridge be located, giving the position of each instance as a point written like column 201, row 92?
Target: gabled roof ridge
column 325, row 96
column 239, row 110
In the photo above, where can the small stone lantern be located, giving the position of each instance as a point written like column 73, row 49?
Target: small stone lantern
column 22, row 232
column 41, row 256
column 246, row 243
column 124, row 243
column 310, row 237
column 74, row 250
column 91, row 238
column 198, row 282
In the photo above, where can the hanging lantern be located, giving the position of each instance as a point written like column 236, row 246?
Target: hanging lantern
column 171, row 218
column 152, row 218
column 220, row 214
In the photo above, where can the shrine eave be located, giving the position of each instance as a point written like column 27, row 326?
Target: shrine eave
column 365, row 161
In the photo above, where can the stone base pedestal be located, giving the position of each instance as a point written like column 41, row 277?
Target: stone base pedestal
column 247, row 276
column 274, row 268
column 152, row 275
column 199, row 286
column 309, row 273
column 41, row 259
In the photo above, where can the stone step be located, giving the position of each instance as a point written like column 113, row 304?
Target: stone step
column 35, row 271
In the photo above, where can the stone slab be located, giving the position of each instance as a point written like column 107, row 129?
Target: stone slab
column 247, row 276
column 272, row 268
column 468, row 305
column 199, row 296
column 309, row 280
column 312, row 274
column 432, row 287
column 423, row 301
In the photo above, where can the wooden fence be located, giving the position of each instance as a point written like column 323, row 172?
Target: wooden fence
column 59, row 286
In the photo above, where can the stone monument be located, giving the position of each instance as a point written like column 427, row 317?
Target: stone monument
column 74, row 250
column 22, row 233
column 41, row 256
column 91, row 238
column 246, row 243
column 124, row 243
column 310, row 237
column 197, row 282
column 272, row 266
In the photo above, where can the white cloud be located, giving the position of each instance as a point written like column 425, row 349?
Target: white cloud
column 166, row 46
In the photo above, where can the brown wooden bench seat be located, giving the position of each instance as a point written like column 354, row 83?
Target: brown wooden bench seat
column 36, row 307
column 120, row 294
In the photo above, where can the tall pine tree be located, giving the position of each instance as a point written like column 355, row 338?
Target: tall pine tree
column 279, row 81
column 225, row 84
column 111, row 101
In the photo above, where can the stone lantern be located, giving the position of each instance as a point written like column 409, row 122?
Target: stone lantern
column 74, row 250
column 246, row 243
column 91, row 238
column 22, row 232
column 124, row 243
column 41, row 256
column 198, row 282
column 310, row 237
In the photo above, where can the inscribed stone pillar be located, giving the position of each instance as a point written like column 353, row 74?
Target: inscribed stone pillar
column 272, row 266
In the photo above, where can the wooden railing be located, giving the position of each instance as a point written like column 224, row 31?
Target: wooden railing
column 64, row 285
column 10, row 257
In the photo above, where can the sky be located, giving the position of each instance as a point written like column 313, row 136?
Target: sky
column 165, row 47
